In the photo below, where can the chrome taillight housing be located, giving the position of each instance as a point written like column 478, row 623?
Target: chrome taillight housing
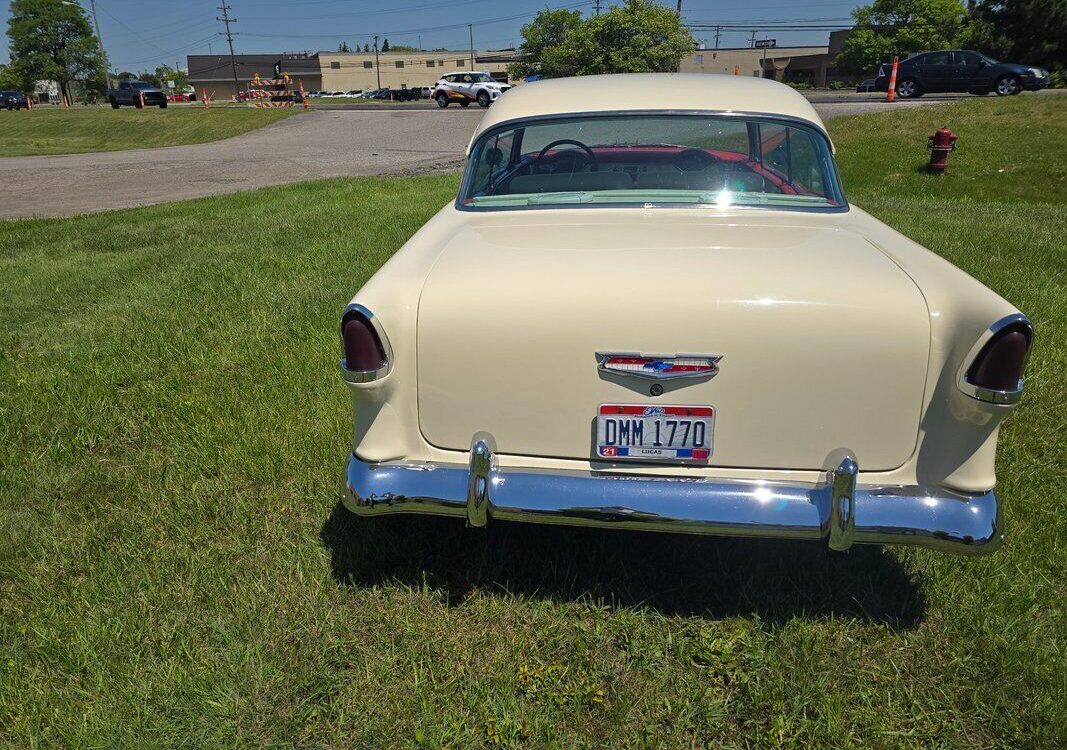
column 993, row 371
column 367, row 356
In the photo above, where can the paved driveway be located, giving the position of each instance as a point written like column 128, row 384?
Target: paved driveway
column 321, row 143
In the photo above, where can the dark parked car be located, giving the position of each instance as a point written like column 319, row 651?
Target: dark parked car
column 13, row 100
column 961, row 71
column 137, row 94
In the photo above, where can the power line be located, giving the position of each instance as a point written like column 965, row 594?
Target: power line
column 187, row 48
column 411, row 32
column 388, row 11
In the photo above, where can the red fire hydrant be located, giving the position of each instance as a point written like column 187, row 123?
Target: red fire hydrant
column 941, row 143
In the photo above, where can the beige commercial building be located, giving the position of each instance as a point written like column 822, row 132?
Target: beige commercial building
column 782, row 63
column 345, row 71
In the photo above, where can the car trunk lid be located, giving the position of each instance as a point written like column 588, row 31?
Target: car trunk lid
column 824, row 340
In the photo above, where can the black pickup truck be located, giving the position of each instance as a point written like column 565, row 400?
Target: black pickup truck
column 136, row 94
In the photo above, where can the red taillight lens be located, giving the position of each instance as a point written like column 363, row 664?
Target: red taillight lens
column 999, row 365
column 363, row 347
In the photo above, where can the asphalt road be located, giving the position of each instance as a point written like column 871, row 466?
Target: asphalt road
column 329, row 141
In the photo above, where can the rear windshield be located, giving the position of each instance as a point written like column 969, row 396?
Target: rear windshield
column 652, row 159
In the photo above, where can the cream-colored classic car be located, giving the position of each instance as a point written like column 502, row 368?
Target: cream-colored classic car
column 651, row 307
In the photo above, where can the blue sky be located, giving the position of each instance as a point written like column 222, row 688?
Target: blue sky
column 141, row 34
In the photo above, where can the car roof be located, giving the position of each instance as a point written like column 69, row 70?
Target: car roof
column 648, row 92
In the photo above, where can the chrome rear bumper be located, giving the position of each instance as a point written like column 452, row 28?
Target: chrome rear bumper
column 836, row 510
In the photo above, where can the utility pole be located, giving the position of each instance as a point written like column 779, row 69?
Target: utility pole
column 377, row 67
column 596, row 7
column 752, row 41
column 718, row 30
column 229, row 39
column 470, row 30
column 100, row 41
column 679, row 7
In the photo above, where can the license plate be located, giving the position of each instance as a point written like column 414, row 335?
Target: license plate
column 655, row 433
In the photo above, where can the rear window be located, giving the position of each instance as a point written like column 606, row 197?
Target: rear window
column 652, row 159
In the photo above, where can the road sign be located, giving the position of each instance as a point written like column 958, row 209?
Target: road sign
column 766, row 43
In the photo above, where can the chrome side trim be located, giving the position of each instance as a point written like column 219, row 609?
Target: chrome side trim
column 988, row 394
column 932, row 517
column 366, row 376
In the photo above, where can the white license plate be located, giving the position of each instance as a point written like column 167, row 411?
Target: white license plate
column 654, row 433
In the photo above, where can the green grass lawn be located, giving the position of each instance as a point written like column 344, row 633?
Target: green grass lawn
column 46, row 131
column 175, row 569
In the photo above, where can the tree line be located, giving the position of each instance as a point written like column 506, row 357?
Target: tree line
column 1030, row 32
column 640, row 36
column 53, row 40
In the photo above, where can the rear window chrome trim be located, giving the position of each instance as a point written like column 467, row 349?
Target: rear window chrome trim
column 799, row 122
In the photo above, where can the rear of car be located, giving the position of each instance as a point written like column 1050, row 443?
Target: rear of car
column 673, row 320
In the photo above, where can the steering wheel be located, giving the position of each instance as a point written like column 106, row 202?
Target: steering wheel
column 587, row 153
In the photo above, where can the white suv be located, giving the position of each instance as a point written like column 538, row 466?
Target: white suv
column 466, row 87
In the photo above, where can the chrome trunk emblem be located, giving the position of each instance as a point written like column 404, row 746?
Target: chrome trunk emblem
column 659, row 367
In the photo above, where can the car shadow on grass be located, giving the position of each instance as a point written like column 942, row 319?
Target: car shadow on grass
column 674, row 574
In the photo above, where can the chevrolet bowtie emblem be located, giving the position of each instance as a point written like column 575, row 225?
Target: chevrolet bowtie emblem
column 659, row 367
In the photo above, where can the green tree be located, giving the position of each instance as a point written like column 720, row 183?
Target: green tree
column 639, row 36
column 13, row 77
column 51, row 40
column 901, row 27
column 385, row 46
column 343, row 47
column 549, row 29
column 1032, row 32
column 165, row 73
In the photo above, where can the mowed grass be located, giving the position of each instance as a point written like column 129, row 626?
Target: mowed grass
column 46, row 130
column 175, row 569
